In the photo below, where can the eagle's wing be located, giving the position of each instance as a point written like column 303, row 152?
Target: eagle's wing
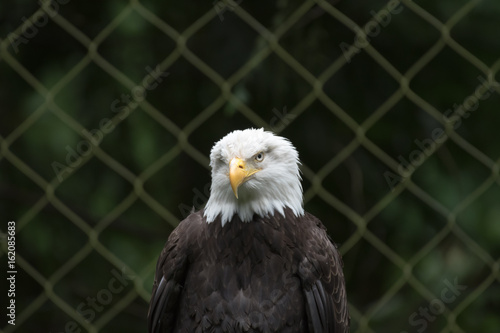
column 323, row 282
column 170, row 276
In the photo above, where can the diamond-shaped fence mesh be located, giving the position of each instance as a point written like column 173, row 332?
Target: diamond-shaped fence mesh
column 108, row 113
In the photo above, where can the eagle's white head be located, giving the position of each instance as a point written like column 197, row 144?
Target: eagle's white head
column 253, row 172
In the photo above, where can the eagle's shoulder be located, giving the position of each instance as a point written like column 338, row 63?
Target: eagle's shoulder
column 182, row 236
column 193, row 222
column 321, row 273
column 312, row 235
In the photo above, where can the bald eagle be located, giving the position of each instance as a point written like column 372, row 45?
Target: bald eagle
column 252, row 260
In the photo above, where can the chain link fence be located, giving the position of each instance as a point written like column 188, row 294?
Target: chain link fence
column 398, row 174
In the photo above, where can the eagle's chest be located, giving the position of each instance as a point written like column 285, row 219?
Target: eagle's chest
column 244, row 278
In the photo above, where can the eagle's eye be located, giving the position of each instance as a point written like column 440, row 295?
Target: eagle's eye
column 259, row 157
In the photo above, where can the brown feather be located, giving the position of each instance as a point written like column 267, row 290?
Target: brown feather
column 278, row 273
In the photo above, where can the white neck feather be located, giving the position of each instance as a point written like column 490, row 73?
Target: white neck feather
column 268, row 199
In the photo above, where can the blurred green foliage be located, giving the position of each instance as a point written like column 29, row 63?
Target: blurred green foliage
column 443, row 225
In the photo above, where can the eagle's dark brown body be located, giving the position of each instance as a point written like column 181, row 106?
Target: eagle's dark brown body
column 275, row 274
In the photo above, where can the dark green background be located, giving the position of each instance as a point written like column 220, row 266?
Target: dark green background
column 442, row 225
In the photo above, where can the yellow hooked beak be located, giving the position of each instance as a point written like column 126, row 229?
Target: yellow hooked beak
column 239, row 173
